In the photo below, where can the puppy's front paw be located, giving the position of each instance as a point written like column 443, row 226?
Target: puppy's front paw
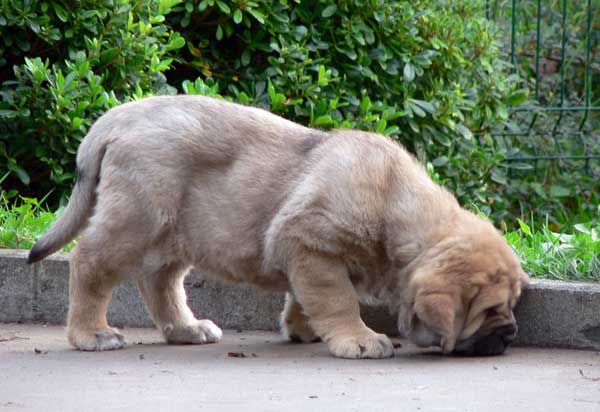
column 364, row 345
column 104, row 339
column 202, row 331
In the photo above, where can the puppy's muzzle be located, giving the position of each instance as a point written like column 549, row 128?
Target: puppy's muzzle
column 492, row 344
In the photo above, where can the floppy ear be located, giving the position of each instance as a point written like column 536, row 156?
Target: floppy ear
column 439, row 312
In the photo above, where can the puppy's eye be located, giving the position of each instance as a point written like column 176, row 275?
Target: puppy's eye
column 493, row 311
column 490, row 313
column 502, row 310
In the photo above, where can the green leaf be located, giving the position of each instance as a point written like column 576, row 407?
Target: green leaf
column 202, row 5
column 381, row 125
column 322, row 79
column 35, row 27
column 177, row 43
column 8, row 114
column 391, row 130
column 499, row 176
column 237, row 16
column 559, row 191
column 365, row 104
column 350, row 53
column 488, row 113
column 69, row 80
column 21, row 173
column 518, row 97
column 502, row 112
column 185, row 21
column 108, row 55
column 243, row 98
column 414, row 126
column 299, row 32
column 246, row 57
column 417, row 110
column 60, row 12
column 524, row 227
column 378, row 53
column 520, row 166
column 257, row 15
column 76, row 122
column 423, row 59
column 219, row 33
column 325, row 120
column 440, row 161
column 277, row 99
column 427, row 106
column 466, row 133
column 329, row 11
column 224, row 7
column 409, row 72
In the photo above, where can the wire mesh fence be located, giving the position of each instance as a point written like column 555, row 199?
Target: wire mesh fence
column 553, row 47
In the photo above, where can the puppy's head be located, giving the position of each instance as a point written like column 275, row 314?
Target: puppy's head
column 463, row 293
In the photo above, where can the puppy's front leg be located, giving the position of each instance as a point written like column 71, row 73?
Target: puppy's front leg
column 323, row 288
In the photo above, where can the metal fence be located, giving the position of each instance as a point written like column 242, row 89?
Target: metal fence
column 553, row 45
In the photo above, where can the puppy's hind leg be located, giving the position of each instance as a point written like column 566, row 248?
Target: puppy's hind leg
column 90, row 290
column 294, row 323
column 165, row 299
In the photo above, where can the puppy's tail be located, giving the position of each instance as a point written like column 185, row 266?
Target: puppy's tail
column 82, row 200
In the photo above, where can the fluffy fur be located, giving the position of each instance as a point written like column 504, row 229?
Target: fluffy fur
column 170, row 183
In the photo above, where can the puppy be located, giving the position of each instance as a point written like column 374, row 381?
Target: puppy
column 174, row 182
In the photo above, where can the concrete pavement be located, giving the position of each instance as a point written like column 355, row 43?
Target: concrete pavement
column 40, row 372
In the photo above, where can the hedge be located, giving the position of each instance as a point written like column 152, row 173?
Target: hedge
column 428, row 73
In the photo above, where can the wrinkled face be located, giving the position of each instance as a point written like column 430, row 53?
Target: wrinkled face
column 463, row 298
column 486, row 327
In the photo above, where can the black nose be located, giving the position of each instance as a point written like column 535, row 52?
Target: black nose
column 493, row 344
column 496, row 342
column 508, row 333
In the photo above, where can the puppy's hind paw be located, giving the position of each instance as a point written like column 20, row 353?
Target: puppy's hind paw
column 202, row 331
column 100, row 340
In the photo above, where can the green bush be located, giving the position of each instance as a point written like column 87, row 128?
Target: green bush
column 66, row 63
column 428, row 73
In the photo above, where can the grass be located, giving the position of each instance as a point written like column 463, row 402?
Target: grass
column 22, row 222
column 544, row 253
column 563, row 256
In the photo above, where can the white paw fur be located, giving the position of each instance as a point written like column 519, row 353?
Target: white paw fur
column 369, row 345
column 202, row 331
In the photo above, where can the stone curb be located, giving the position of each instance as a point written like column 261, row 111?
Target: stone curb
column 550, row 313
